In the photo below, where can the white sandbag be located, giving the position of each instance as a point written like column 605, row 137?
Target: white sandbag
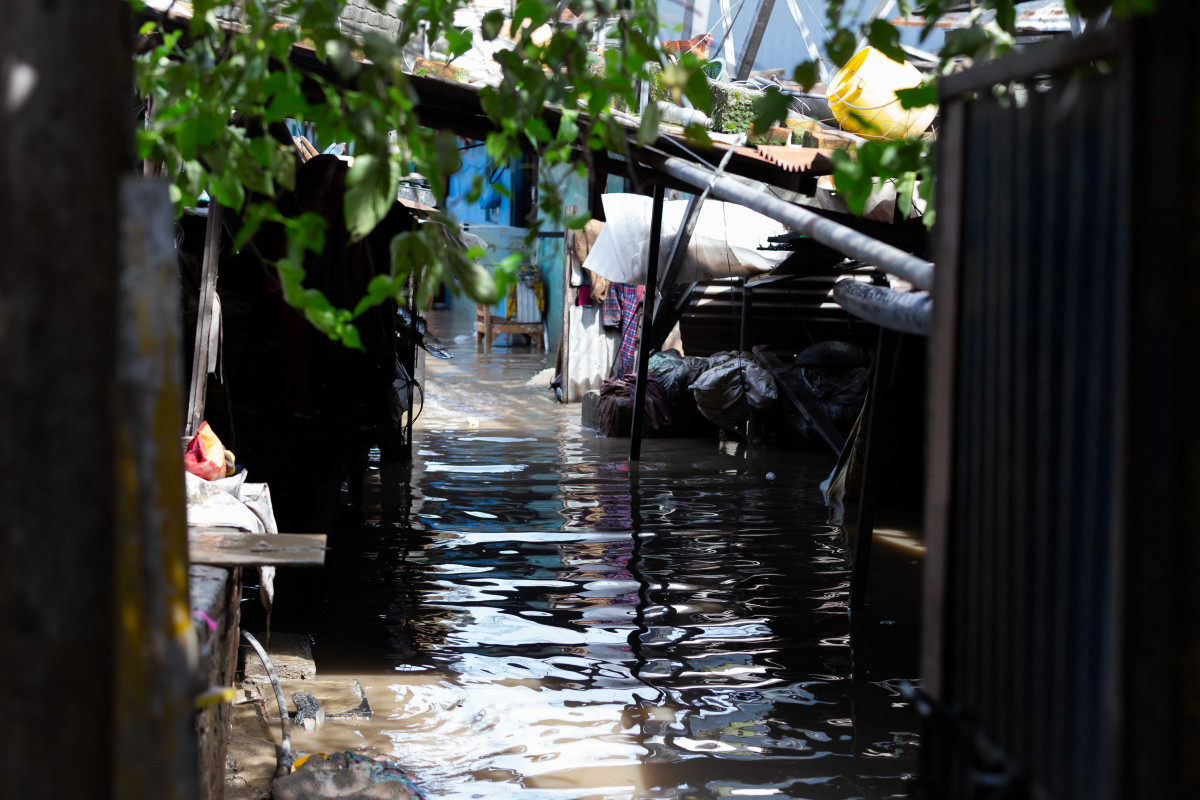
column 725, row 243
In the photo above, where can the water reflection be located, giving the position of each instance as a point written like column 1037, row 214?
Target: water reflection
column 519, row 639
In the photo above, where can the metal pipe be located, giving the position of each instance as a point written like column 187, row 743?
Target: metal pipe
column 907, row 312
column 678, row 115
column 892, row 260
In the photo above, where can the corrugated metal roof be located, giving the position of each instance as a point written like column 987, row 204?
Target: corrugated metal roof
column 1035, row 16
column 798, row 159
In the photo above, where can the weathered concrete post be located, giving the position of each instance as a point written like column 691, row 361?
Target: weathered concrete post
column 63, row 100
column 87, row 651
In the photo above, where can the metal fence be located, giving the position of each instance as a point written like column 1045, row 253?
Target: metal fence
column 1022, row 618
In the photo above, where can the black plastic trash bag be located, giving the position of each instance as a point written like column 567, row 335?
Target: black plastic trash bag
column 734, row 388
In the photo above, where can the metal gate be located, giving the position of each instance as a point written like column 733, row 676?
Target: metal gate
column 1044, row 447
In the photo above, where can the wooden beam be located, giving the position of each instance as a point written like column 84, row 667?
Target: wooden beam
column 224, row 547
column 198, row 390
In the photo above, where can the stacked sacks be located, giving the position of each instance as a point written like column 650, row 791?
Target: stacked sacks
column 677, row 373
column 734, row 388
column 837, row 374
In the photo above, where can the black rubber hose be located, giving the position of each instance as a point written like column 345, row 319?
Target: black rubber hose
column 907, row 312
column 283, row 764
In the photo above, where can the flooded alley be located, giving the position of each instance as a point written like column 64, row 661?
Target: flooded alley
column 532, row 619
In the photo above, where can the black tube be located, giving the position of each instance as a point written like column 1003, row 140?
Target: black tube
column 907, row 312
column 643, row 363
column 284, row 759
column 906, row 266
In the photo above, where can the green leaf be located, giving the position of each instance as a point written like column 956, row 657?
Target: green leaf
column 537, row 130
column 339, row 54
column 491, row 24
column 697, row 91
column 807, row 74
column 458, row 41
column 918, row 96
column 698, row 135
column 842, row 46
column 476, row 281
column 770, row 107
column 885, row 38
column 227, row 190
column 370, row 192
column 904, row 193
column 379, row 290
column 350, row 337
column 1006, row 15
column 533, row 10
column 255, row 215
column 648, row 130
column 575, row 222
column 969, row 42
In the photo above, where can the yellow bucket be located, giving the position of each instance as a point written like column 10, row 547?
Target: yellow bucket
column 863, row 97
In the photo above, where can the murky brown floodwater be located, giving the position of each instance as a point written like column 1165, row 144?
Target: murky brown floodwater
column 517, row 640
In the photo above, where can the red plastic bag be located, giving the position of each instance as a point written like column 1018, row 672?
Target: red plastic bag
column 205, row 455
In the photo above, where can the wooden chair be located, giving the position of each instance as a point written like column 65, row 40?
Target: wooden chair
column 488, row 326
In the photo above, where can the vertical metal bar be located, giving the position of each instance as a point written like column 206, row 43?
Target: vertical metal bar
column 943, row 356
column 1066, row 574
column 810, row 44
column 1114, row 728
column 727, row 35
column 762, row 16
column 877, row 428
column 568, row 297
column 643, row 365
column 745, row 326
column 972, row 450
column 1023, row 342
column 1042, row 530
column 410, row 359
column 660, row 315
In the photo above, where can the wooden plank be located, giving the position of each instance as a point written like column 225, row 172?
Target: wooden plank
column 198, row 390
column 803, row 400
column 221, row 547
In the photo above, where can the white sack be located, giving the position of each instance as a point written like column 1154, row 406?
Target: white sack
column 233, row 503
column 724, row 244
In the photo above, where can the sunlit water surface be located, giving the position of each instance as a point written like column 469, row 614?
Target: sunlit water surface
column 533, row 619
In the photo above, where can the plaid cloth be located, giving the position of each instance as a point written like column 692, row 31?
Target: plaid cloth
column 627, row 298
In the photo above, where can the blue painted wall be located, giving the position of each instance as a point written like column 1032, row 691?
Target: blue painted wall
column 492, row 207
